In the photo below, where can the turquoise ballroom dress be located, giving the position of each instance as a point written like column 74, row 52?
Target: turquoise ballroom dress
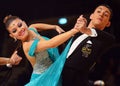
column 49, row 64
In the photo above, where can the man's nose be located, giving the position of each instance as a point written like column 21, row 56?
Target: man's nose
column 101, row 14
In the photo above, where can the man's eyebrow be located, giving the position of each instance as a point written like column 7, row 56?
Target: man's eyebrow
column 105, row 11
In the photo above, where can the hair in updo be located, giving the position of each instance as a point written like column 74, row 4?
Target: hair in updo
column 8, row 19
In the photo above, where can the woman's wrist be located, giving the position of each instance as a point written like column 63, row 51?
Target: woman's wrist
column 55, row 27
column 74, row 31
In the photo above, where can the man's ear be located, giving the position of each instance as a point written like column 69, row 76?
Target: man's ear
column 108, row 24
column 91, row 16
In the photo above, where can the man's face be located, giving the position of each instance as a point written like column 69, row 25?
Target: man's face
column 100, row 18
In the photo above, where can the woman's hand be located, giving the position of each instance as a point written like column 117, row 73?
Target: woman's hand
column 59, row 29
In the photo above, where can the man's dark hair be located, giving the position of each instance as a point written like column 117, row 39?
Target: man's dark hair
column 110, row 9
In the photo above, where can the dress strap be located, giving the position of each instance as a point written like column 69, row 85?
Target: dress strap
column 31, row 52
column 33, row 29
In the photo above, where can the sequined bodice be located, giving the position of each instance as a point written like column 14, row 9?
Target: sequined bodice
column 42, row 62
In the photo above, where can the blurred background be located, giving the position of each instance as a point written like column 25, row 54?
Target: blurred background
column 64, row 13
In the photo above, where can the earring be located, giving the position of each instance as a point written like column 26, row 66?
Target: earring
column 15, row 39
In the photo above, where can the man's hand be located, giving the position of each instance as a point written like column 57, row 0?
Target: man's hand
column 81, row 24
column 15, row 59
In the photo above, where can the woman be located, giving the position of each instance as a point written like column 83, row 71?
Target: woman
column 40, row 51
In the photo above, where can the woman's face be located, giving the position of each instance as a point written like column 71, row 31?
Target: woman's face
column 18, row 29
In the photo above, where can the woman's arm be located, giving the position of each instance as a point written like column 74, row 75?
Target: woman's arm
column 59, row 39
column 42, row 26
column 55, row 41
column 45, row 44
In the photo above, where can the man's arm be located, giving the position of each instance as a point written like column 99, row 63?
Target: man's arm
column 14, row 60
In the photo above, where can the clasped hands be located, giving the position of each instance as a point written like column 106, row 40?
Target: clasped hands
column 81, row 24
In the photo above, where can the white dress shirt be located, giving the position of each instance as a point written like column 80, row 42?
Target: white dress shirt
column 78, row 40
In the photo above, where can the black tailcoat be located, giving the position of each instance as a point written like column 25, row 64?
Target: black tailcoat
column 79, row 63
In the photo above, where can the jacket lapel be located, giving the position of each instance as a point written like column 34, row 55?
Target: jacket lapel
column 81, row 45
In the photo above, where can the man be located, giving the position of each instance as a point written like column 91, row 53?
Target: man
column 19, row 74
column 14, row 60
column 86, row 48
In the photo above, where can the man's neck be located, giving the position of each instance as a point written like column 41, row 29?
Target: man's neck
column 95, row 27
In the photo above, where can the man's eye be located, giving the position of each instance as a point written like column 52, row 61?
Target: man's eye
column 98, row 11
column 19, row 24
column 106, row 14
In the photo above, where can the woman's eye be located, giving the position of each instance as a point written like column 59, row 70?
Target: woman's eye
column 19, row 24
column 14, row 31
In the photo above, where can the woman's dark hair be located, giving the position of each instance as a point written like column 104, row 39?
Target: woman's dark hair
column 8, row 19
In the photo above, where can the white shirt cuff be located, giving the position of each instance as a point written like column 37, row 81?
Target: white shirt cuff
column 94, row 33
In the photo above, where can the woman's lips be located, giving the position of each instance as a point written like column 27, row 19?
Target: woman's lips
column 22, row 32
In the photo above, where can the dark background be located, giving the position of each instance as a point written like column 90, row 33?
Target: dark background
column 49, row 11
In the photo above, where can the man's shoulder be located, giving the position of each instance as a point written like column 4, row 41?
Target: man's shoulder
column 105, row 35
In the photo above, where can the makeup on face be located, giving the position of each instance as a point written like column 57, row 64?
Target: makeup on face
column 17, row 24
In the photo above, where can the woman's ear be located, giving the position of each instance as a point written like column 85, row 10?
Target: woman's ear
column 11, row 35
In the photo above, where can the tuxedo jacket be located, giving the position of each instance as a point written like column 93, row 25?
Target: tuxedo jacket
column 85, row 55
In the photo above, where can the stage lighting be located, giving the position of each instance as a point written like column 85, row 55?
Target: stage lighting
column 62, row 21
